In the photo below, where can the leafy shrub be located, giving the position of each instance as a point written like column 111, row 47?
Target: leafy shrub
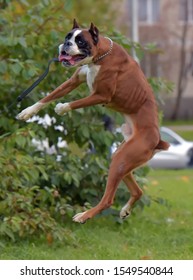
column 26, row 205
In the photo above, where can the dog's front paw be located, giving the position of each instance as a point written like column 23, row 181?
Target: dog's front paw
column 80, row 218
column 29, row 112
column 25, row 114
column 62, row 108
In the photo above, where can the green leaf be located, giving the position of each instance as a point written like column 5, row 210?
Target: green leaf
column 21, row 141
column 32, row 72
column 139, row 53
column 16, row 68
column 22, row 42
column 9, row 233
column 43, row 172
column 85, row 131
column 3, row 67
column 4, row 135
column 29, row 52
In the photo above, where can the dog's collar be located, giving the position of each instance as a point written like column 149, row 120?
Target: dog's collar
column 107, row 53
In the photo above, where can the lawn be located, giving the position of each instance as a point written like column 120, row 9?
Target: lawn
column 183, row 128
column 158, row 232
column 177, row 122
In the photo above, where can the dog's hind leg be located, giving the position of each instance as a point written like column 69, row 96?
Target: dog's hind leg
column 117, row 171
column 135, row 194
column 129, row 156
column 113, row 181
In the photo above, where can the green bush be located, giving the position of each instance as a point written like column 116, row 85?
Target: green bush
column 27, row 205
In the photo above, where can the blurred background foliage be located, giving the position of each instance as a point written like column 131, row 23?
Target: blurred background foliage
column 40, row 189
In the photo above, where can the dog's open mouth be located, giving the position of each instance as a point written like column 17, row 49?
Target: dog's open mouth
column 70, row 60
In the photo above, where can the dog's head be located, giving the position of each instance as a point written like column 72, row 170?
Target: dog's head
column 80, row 46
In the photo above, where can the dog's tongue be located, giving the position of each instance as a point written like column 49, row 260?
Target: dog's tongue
column 64, row 57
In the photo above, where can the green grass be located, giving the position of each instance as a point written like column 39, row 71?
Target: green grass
column 187, row 135
column 177, row 122
column 178, row 127
column 158, row 232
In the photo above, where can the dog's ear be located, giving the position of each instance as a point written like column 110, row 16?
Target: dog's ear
column 94, row 33
column 75, row 24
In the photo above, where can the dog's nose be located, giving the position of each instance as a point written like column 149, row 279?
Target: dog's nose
column 67, row 45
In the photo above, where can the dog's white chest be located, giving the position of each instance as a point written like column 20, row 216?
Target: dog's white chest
column 92, row 72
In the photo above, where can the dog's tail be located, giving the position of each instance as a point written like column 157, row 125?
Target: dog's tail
column 162, row 145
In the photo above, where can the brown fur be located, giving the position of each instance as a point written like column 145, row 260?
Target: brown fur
column 121, row 85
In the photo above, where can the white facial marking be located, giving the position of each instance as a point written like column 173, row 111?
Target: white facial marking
column 60, row 47
column 74, row 48
column 72, row 39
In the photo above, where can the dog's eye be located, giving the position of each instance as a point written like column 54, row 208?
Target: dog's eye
column 79, row 41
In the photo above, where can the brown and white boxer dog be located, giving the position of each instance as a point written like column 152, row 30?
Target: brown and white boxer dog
column 116, row 81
